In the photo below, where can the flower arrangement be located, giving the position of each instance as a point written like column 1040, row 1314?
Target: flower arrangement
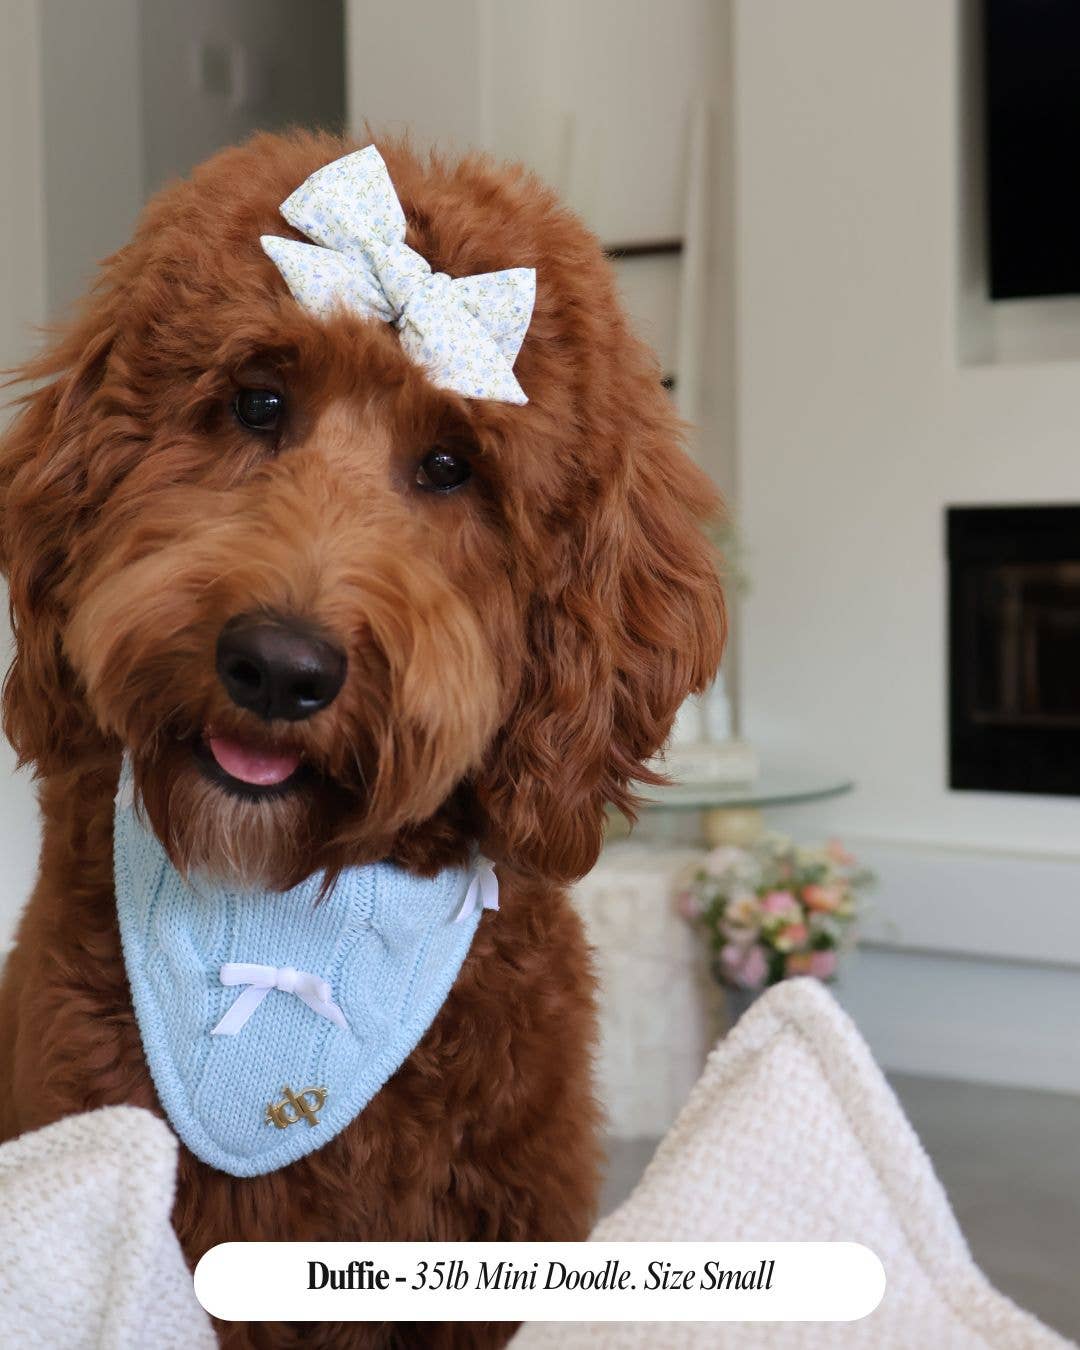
column 774, row 910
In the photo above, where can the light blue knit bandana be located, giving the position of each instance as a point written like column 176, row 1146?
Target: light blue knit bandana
column 269, row 1021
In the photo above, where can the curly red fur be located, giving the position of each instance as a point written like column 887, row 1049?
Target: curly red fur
column 516, row 653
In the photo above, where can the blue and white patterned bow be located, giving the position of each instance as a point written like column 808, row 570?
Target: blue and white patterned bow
column 465, row 331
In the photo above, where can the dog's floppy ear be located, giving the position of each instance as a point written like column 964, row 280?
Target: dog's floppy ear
column 632, row 622
column 43, row 495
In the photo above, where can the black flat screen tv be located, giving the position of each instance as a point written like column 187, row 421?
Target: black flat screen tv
column 1032, row 83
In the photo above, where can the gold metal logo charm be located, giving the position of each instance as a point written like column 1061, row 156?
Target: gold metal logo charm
column 277, row 1113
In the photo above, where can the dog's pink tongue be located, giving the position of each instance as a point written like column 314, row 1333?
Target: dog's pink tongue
column 261, row 768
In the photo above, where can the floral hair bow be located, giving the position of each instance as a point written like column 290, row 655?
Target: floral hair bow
column 465, row 331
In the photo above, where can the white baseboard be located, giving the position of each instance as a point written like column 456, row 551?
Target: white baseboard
column 970, row 965
column 982, row 1020
column 973, row 902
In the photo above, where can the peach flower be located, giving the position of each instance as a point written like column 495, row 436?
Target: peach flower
column 791, row 936
column 827, row 899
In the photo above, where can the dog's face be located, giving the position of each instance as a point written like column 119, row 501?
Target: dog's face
column 333, row 612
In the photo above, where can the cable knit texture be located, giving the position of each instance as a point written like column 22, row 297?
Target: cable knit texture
column 793, row 1135
column 91, row 1261
column 385, row 942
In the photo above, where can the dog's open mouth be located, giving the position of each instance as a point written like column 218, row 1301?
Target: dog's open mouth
column 247, row 768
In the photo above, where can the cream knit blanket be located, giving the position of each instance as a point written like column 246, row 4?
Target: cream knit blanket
column 88, row 1257
column 793, row 1134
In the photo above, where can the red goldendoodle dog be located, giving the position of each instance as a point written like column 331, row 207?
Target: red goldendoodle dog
column 497, row 660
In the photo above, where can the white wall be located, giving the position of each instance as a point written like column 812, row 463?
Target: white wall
column 597, row 96
column 592, row 94
column 90, row 138
column 22, row 304
column 22, row 200
column 70, row 161
column 858, row 421
column 273, row 63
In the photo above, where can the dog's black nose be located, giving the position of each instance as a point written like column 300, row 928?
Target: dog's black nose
column 278, row 668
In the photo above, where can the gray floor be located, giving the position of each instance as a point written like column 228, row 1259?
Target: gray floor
column 1010, row 1162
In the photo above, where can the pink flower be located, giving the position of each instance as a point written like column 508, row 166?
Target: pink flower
column 745, row 967
column 822, row 965
column 838, row 854
column 688, row 904
column 791, row 936
column 824, row 898
column 778, row 902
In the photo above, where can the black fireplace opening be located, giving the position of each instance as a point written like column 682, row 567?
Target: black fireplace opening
column 1014, row 648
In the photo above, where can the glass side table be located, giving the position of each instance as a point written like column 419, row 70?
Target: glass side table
column 731, row 813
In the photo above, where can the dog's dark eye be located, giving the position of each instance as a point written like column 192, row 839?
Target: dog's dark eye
column 442, row 471
column 259, row 409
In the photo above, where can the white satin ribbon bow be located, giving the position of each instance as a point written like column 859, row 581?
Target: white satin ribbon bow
column 465, row 331
column 483, row 889
column 260, row 980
